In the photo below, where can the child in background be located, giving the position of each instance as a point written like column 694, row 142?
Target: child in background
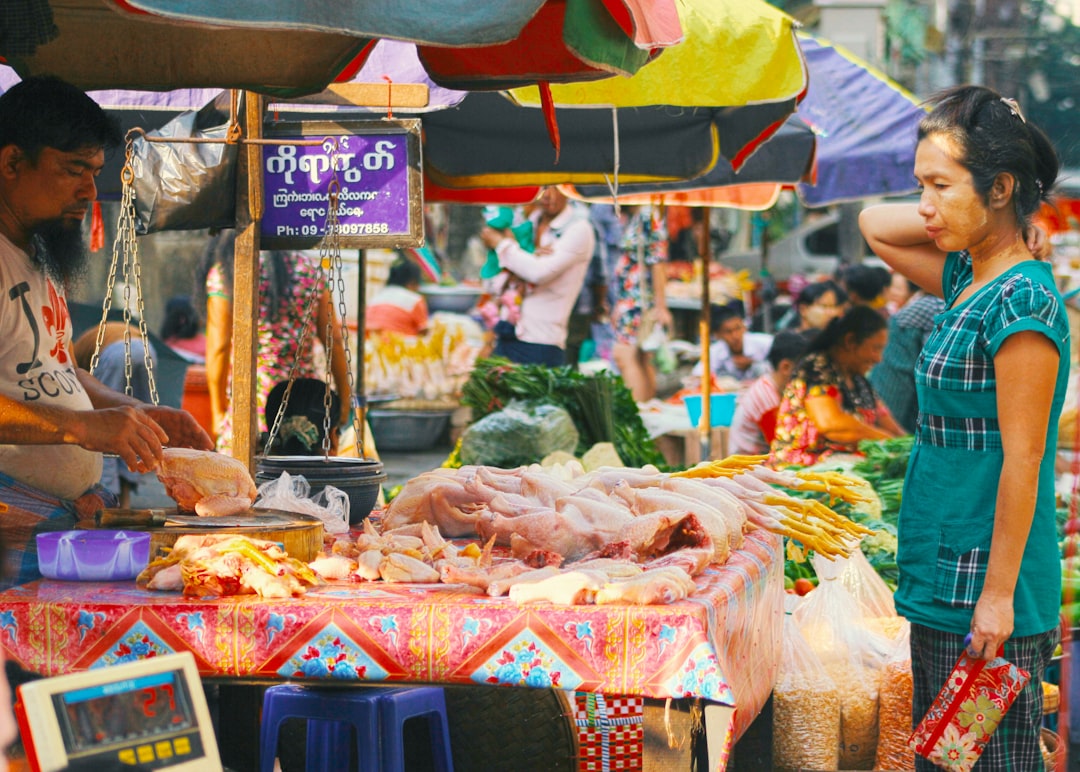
column 754, row 422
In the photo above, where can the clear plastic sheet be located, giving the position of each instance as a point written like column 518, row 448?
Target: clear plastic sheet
column 833, row 624
column 293, row 494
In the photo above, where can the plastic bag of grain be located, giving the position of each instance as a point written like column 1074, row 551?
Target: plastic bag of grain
column 806, row 708
column 834, row 627
column 894, row 707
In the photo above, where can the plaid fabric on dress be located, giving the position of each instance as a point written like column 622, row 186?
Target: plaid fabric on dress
column 959, row 577
column 1014, row 746
column 959, row 358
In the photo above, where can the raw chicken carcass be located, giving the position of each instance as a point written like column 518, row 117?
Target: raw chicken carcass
column 439, row 497
column 205, row 482
column 578, row 526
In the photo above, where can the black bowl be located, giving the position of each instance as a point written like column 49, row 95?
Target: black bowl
column 319, row 466
column 358, row 478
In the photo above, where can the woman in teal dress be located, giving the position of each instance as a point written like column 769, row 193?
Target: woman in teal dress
column 977, row 543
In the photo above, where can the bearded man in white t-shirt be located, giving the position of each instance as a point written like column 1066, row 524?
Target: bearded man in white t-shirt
column 56, row 420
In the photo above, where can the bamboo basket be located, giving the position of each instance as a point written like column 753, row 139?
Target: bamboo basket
column 1053, row 751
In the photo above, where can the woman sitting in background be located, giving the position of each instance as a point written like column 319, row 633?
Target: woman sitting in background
column 829, row 406
column 815, row 305
column 399, row 307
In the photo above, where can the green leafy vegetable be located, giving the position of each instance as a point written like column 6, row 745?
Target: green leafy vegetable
column 602, row 408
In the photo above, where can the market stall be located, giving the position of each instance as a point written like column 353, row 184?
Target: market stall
column 718, row 645
column 721, row 644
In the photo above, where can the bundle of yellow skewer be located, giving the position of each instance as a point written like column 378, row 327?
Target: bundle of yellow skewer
column 815, row 525
column 810, row 521
column 729, row 466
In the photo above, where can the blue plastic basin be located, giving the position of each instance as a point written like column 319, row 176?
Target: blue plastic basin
column 721, row 409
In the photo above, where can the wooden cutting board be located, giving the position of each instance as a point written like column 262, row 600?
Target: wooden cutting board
column 300, row 534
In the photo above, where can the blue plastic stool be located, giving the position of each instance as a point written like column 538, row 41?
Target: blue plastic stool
column 396, row 706
column 329, row 713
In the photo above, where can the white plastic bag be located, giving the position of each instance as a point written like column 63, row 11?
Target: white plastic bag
column 874, row 597
column 806, row 708
column 293, row 494
column 833, row 625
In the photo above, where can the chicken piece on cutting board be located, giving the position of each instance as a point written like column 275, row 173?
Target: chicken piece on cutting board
column 205, row 482
column 653, row 587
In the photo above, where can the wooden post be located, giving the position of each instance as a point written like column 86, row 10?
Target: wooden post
column 361, row 347
column 705, row 337
column 245, row 337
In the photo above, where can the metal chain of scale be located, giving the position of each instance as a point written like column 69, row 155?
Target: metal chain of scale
column 332, row 277
column 126, row 252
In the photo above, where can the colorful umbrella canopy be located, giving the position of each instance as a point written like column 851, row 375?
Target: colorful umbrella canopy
column 866, row 126
column 488, row 141
column 739, row 53
column 598, row 38
column 785, row 159
column 289, row 47
column 734, row 53
column 100, row 44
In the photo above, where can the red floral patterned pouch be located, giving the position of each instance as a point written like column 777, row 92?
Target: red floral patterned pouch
column 959, row 724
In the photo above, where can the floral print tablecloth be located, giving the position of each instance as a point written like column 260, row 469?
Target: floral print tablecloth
column 721, row 644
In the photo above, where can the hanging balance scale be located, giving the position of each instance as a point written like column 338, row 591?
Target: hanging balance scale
column 360, row 478
column 300, row 534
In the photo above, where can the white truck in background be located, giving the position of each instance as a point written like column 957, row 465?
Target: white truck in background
column 813, row 248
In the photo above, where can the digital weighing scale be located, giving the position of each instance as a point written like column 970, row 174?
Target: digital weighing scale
column 151, row 713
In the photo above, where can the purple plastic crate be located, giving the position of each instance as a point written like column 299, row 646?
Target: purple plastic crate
column 92, row 556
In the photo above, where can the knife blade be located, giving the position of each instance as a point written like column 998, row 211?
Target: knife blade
column 119, row 518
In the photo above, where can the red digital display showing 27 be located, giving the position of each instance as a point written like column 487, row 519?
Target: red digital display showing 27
column 124, row 712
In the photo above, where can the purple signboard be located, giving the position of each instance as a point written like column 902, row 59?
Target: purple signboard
column 376, row 168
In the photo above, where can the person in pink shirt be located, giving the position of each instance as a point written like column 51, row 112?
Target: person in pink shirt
column 553, row 277
column 754, row 422
column 399, row 307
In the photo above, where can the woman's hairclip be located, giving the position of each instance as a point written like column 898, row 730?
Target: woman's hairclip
column 1014, row 108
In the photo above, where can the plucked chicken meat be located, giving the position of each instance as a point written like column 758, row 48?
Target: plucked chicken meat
column 206, row 483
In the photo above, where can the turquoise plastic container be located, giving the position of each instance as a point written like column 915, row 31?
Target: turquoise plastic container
column 721, row 408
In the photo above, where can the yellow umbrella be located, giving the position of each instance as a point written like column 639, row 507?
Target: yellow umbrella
column 735, row 52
